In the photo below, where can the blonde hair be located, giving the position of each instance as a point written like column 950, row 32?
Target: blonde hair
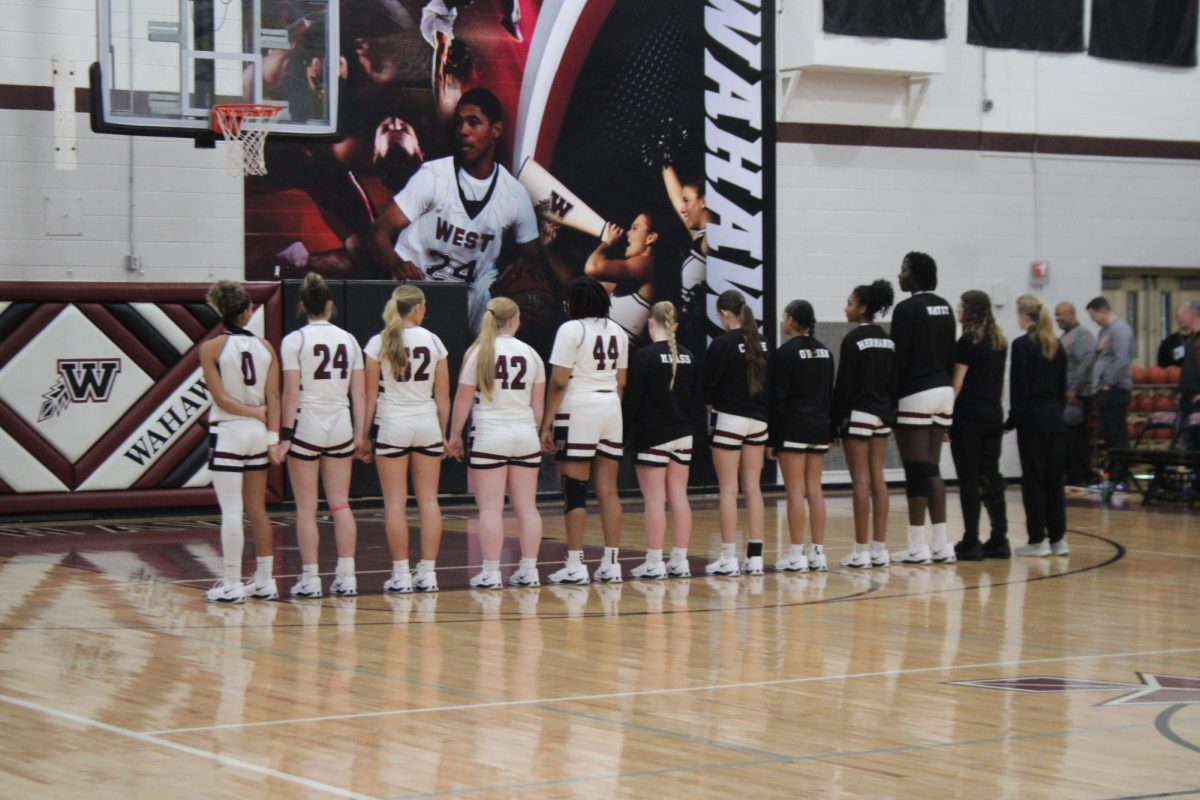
column 229, row 299
column 403, row 301
column 499, row 311
column 663, row 314
column 1031, row 305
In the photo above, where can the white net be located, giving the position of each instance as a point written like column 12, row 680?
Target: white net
column 245, row 128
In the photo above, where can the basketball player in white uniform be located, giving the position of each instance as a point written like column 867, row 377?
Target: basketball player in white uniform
column 583, row 422
column 505, row 380
column 408, row 396
column 449, row 221
column 242, row 376
column 322, row 380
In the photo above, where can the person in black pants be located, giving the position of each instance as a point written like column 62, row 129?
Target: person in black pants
column 979, row 426
column 1037, row 393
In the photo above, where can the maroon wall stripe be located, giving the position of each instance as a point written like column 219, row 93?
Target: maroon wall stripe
column 35, row 445
column 5, row 488
column 137, row 416
column 91, row 291
column 59, row 502
column 121, row 336
column 17, row 340
column 183, row 318
column 170, row 459
column 935, row 139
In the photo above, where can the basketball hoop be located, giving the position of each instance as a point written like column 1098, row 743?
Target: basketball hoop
column 245, row 127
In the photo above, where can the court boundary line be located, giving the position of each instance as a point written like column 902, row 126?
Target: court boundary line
column 656, row 692
column 151, row 739
column 473, row 616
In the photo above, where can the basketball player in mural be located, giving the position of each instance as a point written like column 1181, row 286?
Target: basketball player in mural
column 451, row 219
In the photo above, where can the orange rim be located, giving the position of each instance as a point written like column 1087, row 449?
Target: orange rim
column 239, row 111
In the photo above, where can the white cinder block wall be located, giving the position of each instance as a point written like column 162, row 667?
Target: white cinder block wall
column 186, row 211
column 847, row 214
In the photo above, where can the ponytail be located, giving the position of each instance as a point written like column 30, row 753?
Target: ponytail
column 734, row 302
column 314, row 295
column 1032, row 306
column 403, row 300
column 499, row 311
column 663, row 314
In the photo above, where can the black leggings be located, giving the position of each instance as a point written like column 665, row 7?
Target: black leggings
column 976, row 454
column 1042, row 461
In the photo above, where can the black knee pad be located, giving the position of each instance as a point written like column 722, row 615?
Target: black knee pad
column 916, row 478
column 574, row 494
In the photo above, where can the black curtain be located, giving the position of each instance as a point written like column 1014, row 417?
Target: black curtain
column 892, row 19
column 1050, row 25
column 1147, row 31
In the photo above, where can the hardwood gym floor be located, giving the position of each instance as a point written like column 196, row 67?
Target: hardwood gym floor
column 1056, row 678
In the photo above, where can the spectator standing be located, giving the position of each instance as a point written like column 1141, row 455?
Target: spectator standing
column 1112, row 380
column 1080, row 346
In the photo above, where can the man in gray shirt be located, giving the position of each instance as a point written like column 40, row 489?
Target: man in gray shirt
column 1112, row 380
column 1080, row 346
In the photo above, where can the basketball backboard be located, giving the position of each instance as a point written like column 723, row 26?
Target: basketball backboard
column 163, row 64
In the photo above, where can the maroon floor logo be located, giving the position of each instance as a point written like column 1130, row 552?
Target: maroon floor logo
column 80, row 380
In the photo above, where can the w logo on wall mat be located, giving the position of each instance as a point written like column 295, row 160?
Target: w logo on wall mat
column 102, row 402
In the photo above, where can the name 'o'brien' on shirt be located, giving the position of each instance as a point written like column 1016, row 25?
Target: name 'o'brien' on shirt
column 867, row 344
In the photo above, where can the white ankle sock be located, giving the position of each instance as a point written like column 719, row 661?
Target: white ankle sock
column 678, row 555
column 916, row 537
column 610, row 555
column 939, row 538
column 878, row 547
column 400, row 567
column 491, row 566
column 264, row 568
column 574, row 558
column 528, row 563
column 345, row 568
column 727, row 550
column 654, row 556
column 309, row 571
column 426, row 565
column 796, row 552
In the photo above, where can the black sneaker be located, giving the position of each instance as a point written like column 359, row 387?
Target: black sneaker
column 969, row 550
column 996, row 548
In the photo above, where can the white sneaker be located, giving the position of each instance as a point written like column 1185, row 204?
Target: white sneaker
column 1042, row 548
column 789, row 564
column 722, row 566
column 857, row 560
column 753, row 565
column 944, row 555
column 307, row 586
column 573, row 575
column 344, row 586
column 424, row 580
column 222, row 592
column 525, row 577
column 607, row 573
column 399, row 583
column 646, row 570
column 817, row 562
column 679, row 569
column 908, row 556
column 880, row 558
column 487, row 579
column 266, row 590
column 1060, row 548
